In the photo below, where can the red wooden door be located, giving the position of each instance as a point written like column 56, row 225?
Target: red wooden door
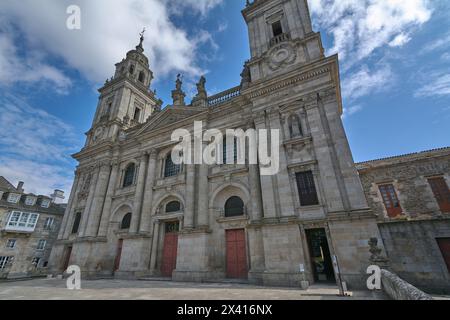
column 118, row 255
column 444, row 245
column 236, row 254
column 169, row 261
column 67, row 258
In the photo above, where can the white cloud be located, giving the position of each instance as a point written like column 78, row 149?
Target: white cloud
column 35, row 146
column 200, row 6
column 16, row 69
column 438, row 84
column 351, row 110
column 359, row 27
column 400, row 40
column 110, row 28
column 366, row 81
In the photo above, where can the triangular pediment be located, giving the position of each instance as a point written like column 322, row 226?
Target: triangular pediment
column 169, row 117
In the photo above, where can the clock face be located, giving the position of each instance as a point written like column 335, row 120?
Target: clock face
column 281, row 55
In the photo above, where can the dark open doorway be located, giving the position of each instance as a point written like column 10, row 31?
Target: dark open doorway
column 319, row 252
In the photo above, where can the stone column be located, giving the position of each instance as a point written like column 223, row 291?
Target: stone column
column 71, row 213
column 203, row 192
column 255, row 189
column 69, row 209
column 267, row 187
column 87, row 209
column 98, row 200
column 282, row 178
column 106, row 213
column 155, row 240
column 148, row 193
column 190, row 197
column 137, row 205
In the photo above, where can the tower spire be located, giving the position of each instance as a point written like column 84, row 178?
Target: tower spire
column 140, row 47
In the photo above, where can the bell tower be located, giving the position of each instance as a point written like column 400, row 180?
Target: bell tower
column 281, row 36
column 126, row 99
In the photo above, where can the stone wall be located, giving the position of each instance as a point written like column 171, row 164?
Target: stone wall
column 415, row 255
column 398, row 289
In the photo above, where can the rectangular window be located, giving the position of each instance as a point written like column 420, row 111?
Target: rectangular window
column 277, row 28
column 45, row 203
column 41, row 245
column 390, row 200
column 137, row 114
column 441, row 193
column 30, row 201
column 76, row 223
column 13, row 198
column 22, row 221
column 11, row 244
column 4, row 261
column 444, row 245
column 307, row 189
column 49, row 222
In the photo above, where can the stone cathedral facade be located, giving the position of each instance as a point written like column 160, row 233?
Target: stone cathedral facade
column 133, row 213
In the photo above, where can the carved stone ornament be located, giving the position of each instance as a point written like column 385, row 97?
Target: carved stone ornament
column 281, row 55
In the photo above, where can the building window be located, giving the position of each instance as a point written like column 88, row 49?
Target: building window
column 5, row 261
column 234, row 207
column 444, row 246
column 13, row 198
column 295, row 128
column 22, row 221
column 390, row 200
column 11, row 244
column 137, row 114
column 30, row 201
column 307, row 189
column 441, row 193
column 49, row 222
column 45, row 203
column 128, row 179
column 173, row 206
column 171, row 169
column 41, row 245
column 126, row 222
column 141, row 76
column 76, row 223
column 230, row 152
column 277, row 28
column 131, row 69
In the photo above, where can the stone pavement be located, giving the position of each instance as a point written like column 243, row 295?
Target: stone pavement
column 54, row 289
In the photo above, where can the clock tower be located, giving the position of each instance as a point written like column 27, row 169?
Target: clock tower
column 126, row 99
column 281, row 37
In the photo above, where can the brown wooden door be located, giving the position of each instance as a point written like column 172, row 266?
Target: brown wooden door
column 444, row 245
column 118, row 255
column 441, row 192
column 67, row 258
column 236, row 254
column 169, row 260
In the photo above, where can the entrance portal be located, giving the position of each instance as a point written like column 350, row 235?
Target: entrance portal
column 236, row 254
column 118, row 255
column 169, row 260
column 319, row 251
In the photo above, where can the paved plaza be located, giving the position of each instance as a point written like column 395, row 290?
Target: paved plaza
column 55, row 289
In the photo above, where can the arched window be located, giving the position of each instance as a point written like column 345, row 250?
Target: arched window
column 229, row 151
column 173, row 206
column 128, row 178
column 171, row 169
column 234, row 207
column 141, row 76
column 126, row 222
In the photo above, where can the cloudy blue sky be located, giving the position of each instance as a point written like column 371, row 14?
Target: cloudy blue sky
column 394, row 55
